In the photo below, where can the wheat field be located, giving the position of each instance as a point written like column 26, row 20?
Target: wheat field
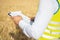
column 8, row 30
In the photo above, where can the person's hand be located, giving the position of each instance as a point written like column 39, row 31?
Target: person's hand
column 16, row 19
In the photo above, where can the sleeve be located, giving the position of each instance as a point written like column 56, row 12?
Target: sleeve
column 23, row 25
column 43, row 16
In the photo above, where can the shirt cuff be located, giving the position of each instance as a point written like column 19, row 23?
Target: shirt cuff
column 22, row 24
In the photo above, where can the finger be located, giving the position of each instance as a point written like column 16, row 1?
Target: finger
column 13, row 17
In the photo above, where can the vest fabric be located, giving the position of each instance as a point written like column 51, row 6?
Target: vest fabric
column 52, row 32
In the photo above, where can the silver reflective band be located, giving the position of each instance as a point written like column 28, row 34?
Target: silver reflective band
column 54, row 28
column 52, row 22
column 55, row 33
column 48, row 31
column 47, row 36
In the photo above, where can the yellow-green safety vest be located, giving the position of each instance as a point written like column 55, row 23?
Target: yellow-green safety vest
column 52, row 32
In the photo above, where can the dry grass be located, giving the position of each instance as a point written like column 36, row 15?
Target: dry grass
column 8, row 30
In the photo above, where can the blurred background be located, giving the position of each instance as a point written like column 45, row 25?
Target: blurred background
column 8, row 30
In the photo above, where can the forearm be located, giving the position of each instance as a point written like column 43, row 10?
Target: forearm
column 44, row 14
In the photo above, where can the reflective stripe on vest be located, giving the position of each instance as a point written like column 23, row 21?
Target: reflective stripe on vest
column 52, row 32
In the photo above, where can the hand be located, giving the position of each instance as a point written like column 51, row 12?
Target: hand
column 16, row 19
